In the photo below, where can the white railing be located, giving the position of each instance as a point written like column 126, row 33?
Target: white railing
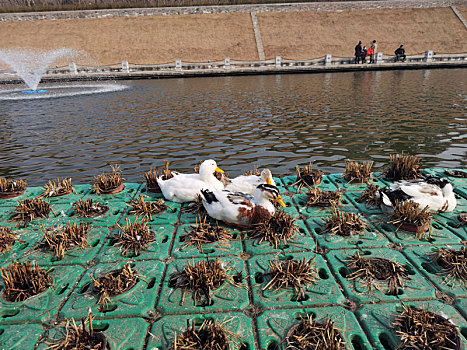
column 228, row 65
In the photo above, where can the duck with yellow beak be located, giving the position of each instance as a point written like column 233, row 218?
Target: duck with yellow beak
column 186, row 187
column 248, row 183
column 242, row 209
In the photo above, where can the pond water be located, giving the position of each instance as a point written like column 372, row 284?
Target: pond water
column 275, row 121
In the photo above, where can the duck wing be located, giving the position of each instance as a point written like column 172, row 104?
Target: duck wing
column 422, row 190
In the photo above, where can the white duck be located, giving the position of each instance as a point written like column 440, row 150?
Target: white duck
column 242, row 209
column 248, row 183
column 185, row 187
column 435, row 192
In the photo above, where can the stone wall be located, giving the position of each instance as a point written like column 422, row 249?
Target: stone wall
column 170, row 11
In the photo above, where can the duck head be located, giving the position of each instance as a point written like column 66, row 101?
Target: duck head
column 208, row 168
column 268, row 193
column 266, row 176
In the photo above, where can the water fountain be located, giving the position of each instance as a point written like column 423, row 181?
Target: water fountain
column 30, row 65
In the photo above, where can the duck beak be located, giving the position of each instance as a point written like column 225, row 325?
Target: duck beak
column 219, row 170
column 280, row 201
column 269, row 181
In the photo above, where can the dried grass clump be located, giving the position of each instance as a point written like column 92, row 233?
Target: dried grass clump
column 7, row 239
column 373, row 271
column 201, row 279
column 203, row 233
column 321, row 198
column 255, row 172
column 424, row 330
column 105, row 183
column 208, row 336
column 409, row 213
column 114, row 283
column 314, row 335
column 369, row 195
column 146, row 209
column 454, row 263
column 77, row 337
column 279, row 228
column 456, row 173
column 295, row 274
column 307, row 177
column 152, row 175
column 64, row 239
column 404, row 167
column 134, row 237
column 358, row 173
column 196, row 208
column 343, row 223
column 12, row 186
column 24, row 280
column 31, row 209
column 56, row 188
column 88, row 209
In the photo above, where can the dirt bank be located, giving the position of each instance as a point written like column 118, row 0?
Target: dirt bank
column 203, row 37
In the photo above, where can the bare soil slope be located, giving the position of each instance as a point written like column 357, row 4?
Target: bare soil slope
column 301, row 35
column 199, row 38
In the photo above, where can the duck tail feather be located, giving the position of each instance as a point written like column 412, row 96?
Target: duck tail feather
column 209, row 196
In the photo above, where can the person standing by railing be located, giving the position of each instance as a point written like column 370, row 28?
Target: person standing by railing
column 358, row 52
column 400, row 54
column 374, row 48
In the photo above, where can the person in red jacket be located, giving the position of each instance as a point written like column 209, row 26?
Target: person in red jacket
column 370, row 53
column 364, row 54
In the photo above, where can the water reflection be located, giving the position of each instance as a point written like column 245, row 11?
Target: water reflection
column 275, row 121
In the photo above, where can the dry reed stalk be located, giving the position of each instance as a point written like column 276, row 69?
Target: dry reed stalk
column 343, row 223
column 201, row 279
column 403, row 167
column 152, row 175
column 64, row 239
column 88, row 209
column 422, row 329
column 196, row 208
column 408, row 212
column 255, row 172
column 373, row 271
column 296, row 274
column 105, row 183
column 12, row 186
column 456, row 173
column 31, row 209
column 321, row 198
column 279, row 228
column 7, row 239
column 208, row 336
column 369, row 195
column 454, row 263
column 203, row 233
column 77, row 337
column 55, row 188
column 315, row 335
column 24, row 280
column 358, row 173
column 114, row 283
column 146, row 209
column 307, row 177
column 134, row 236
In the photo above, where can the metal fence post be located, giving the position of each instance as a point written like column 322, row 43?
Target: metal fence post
column 379, row 57
column 327, row 60
column 178, row 64
column 428, row 56
column 227, row 63
column 73, row 68
column 278, row 61
column 125, row 67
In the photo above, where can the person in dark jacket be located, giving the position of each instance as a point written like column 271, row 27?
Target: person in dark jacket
column 358, row 52
column 363, row 54
column 400, row 53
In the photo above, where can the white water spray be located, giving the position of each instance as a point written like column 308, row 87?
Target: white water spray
column 31, row 65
